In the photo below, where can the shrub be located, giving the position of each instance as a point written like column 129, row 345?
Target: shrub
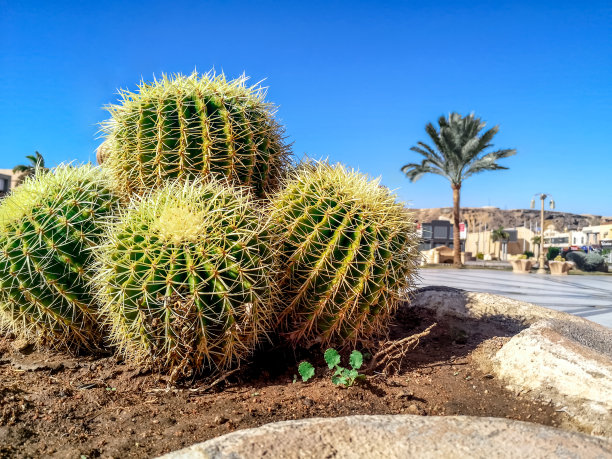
column 522, row 257
column 552, row 253
column 577, row 257
column 587, row 262
column 480, row 256
column 594, row 262
column 559, row 258
column 528, row 254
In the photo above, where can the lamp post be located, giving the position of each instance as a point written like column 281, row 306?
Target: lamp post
column 542, row 257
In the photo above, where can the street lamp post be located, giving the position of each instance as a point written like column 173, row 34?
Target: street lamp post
column 542, row 257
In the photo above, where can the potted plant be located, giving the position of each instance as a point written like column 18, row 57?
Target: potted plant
column 521, row 264
column 559, row 267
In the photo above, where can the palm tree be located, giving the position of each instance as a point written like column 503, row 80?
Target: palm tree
column 499, row 235
column 536, row 240
column 37, row 162
column 459, row 151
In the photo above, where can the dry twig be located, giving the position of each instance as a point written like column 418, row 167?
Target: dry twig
column 219, row 380
column 392, row 353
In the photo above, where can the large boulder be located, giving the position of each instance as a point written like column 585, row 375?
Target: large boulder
column 399, row 436
column 550, row 355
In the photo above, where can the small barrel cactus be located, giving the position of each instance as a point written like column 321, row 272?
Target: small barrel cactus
column 191, row 126
column 186, row 277
column 48, row 226
column 348, row 253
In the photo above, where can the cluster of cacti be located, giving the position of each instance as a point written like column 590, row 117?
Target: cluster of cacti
column 47, row 228
column 187, row 277
column 348, row 253
column 192, row 126
column 192, row 267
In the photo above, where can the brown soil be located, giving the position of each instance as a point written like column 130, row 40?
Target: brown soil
column 53, row 405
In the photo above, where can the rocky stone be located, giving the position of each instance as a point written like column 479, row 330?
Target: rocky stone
column 399, row 437
column 577, row 378
column 221, row 420
column 493, row 217
column 551, row 355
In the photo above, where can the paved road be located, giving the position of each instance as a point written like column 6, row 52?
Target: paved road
column 585, row 296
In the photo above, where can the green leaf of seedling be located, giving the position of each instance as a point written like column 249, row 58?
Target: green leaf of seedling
column 331, row 357
column 352, row 374
column 356, row 360
column 306, row 371
column 337, row 380
column 339, row 371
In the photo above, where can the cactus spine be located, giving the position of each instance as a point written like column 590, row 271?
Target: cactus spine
column 186, row 277
column 191, row 126
column 348, row 253
column 47, row 227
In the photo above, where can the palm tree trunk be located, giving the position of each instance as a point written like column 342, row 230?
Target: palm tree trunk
column 456, row 235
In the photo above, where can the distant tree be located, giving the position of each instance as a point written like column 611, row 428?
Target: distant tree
column 458, row 152
column 499, row 235
column 536, row 240
column 37, row 162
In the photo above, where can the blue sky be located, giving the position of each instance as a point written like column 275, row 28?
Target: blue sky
column 354, row 81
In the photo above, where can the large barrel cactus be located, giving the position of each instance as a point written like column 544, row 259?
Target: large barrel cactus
column 186, row 277
column 348, row 254
column 48, row 226
column 191, row 126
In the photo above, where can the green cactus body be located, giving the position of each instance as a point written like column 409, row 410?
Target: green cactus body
column 192, row 126
column 186, row 277
column 47, row 227
column 347, row 251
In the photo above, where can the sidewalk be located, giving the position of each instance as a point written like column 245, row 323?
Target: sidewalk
column 585, row 296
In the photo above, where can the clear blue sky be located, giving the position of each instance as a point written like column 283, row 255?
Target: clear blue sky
column 355, row 81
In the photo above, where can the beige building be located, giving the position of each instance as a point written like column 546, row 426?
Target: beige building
column 8, row 181
column 520, row 241
column 595, row 234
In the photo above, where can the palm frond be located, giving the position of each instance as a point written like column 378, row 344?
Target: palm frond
column 21, row 168
column 433, row 158
column 33, row 159
column 458, row 149
column 415, row 171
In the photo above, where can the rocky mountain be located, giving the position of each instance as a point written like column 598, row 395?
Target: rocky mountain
column 493, row 217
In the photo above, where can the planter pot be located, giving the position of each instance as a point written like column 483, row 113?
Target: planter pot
column 560, row 268
column 521, row 266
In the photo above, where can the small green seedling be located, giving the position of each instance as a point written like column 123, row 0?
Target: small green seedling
column 306, row 371
column 343, row 375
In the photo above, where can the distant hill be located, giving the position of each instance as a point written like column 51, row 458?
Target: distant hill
column 493, row 217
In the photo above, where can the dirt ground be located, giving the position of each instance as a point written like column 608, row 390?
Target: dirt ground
column 54, row 405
